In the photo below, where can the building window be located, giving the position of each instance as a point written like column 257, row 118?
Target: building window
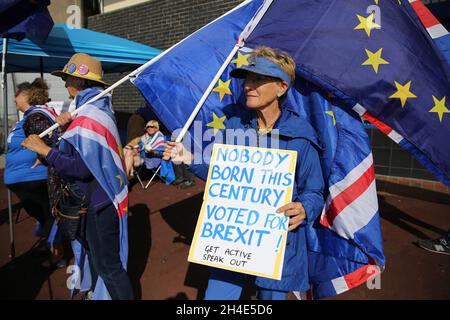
column 112, row 5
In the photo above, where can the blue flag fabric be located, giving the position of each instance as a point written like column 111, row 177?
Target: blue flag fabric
column 167, row 171
column 390, row 69
column 21, row 19
column 80, row 280
column 173, row 92
column 443, row 44
column 345, row 249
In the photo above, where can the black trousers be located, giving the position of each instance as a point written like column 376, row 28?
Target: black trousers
column 182, row 172
column 102, row 236
column 33, row 196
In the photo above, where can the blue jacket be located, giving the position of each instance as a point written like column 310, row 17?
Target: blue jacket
column 294, row 134
column 19, row 159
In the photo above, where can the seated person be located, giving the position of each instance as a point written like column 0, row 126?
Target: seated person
column 147, row 149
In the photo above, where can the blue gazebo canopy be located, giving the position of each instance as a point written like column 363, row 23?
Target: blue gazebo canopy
column 116, row 54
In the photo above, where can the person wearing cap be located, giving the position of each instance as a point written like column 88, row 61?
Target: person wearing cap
column 268, row 78
column 83, row 80
column 148, row 147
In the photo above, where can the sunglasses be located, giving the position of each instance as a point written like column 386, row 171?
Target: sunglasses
column 153, row 127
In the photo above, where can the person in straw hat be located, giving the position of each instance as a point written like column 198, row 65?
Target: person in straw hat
column 90, row 158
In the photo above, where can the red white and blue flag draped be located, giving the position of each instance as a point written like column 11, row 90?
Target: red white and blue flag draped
column 48, row 111
column 54, row 236
column 435, row 29
column 149, row 143
column 93, row 133
column 340, row 52
column 155, row 143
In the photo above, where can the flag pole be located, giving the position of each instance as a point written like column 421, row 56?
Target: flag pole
column 246, row 32
column 208, row 91
column 240, row 43
column 101, row 94
column 134, row 73
column 202, row 100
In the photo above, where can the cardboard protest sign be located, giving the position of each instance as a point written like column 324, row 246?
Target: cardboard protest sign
column 238, row 228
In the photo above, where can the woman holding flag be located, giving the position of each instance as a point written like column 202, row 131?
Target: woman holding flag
column 268, row 78
column 90, row 157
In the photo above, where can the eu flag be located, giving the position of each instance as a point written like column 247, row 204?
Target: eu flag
column 379, row 60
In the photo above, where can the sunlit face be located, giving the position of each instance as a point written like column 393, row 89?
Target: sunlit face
column 262, row 91
column 151, row 129
column 22, row 101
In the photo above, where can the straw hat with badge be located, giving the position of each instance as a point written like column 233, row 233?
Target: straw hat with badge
column 83, row 66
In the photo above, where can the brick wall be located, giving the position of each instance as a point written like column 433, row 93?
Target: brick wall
column 390, row 159
column 418, row 188
column 157, row 23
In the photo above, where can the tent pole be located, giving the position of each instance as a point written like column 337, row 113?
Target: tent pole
column 5, row 133
column 4, row 92
column 41, row 67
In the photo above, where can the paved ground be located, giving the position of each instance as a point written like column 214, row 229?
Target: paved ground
column 162, row 222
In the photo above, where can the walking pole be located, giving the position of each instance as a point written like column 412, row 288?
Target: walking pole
column 154, row 175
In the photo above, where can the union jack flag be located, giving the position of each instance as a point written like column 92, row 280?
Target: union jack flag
column 93, row 133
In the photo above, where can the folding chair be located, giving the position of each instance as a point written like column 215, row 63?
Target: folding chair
column 137, row 174
column 152, row 165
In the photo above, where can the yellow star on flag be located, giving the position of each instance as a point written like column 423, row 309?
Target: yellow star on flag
column 223, row 88
column 374, row 59
column 331, row 114
column 120, row 179
column 241, row 60
column 439, row 107
column 399, row 2
column 403, row 92
column 366, row 24
column 217, row 123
